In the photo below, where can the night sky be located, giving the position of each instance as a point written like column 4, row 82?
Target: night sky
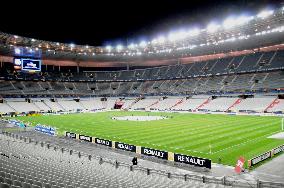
column 112, row 22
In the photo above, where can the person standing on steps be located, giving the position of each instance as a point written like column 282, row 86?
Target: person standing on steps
column 134, row 161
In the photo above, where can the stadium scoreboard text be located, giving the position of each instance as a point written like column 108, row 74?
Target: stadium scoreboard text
column 27, row 59
column 27, row 64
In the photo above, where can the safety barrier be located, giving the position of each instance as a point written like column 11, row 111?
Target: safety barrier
column 166, row 155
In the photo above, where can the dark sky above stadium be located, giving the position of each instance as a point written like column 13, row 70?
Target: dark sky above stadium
column 113, row 22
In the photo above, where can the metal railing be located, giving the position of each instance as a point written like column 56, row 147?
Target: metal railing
column 225, row 180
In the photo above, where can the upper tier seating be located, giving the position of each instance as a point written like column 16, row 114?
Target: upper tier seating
column 227, row 83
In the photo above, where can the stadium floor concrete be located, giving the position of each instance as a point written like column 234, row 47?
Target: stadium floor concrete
column 271, row 171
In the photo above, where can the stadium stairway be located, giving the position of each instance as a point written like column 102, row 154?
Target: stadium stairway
column 203, row 104
column 61, row 106
column 47, row 105
column 272, row 104
column 36, row 106
column 11, row 107
column 177, row 103
column 81, row 104
column 133, row 103
column 156, row 102
column 238, row 101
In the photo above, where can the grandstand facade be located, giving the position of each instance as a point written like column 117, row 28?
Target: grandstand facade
column 250, row 82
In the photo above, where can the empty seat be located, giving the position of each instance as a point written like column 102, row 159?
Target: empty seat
column 29, row 181
column 46, row 185
column 3, row 185
column 7, row 175
column 17, row 183
column 8, row 181
column 37, row 183
column 36, row 186
column 26, row 185
column 55, row 186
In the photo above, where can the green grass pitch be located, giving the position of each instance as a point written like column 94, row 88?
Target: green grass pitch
column 191, row 134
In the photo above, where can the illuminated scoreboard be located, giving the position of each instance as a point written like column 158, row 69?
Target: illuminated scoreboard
column 27, row 64
column 27, row 59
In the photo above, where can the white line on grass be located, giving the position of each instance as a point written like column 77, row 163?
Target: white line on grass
column 189, row 150
column 258, row 138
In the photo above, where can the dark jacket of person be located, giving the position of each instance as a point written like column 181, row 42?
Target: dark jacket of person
column 134, row 161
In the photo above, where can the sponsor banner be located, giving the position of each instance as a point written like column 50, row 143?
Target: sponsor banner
column 17, row 123
column 103, row 142
column 155, row 153
column 260, row 158
column 239, row 165
column 85, row 138
column 277, row 150
column 70, row 135
column 196, row 161
column 123, row 146
column 46, row 130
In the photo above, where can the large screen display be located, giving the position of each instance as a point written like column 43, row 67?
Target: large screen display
column 31, row 64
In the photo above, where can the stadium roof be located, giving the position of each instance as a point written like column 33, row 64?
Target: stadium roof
column 232, row 34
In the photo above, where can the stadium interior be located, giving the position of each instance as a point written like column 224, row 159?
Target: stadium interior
column 222, row 69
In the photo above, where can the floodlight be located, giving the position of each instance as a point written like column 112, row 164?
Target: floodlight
column 177, row 35
column 154, row 41
column 265, row 14
column 212, row 27
column 131, row 46
column 143, row 43
column 108, row 48
column 244, row 19
column 161, row 39
column 229, row 22
column 119, row 47
column 194, row 32
column 72, row 45
column 17, row 51
column 232, row 22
